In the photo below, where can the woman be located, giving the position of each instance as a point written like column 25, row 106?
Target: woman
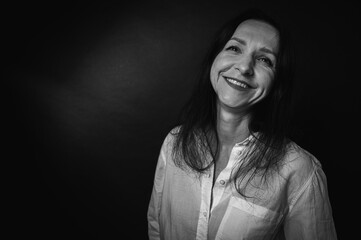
column 229, row 171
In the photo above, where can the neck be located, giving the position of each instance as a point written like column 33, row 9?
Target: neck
column 232, row 126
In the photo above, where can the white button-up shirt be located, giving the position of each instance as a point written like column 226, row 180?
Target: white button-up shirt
column 292, row 204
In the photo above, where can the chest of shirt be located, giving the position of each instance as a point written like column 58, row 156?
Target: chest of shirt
column 198, row 204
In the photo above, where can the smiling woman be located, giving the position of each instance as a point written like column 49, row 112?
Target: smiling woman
column 229, row 170
column 243, row 72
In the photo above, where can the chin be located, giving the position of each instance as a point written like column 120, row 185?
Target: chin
column 235, row 104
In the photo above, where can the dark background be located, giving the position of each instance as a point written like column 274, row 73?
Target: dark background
column 90, row 91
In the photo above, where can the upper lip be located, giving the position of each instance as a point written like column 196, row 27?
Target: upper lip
column 242, row 81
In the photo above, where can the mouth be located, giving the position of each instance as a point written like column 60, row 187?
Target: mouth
column 238, row 84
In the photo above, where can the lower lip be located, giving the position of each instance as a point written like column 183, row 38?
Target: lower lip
column 232, row 85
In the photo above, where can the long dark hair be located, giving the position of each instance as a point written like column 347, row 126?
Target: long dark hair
column 197, row 137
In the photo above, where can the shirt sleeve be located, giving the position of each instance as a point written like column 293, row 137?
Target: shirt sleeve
column 155, row 200
column 310, row 215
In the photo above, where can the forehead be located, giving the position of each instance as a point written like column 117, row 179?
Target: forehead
column 261, row 33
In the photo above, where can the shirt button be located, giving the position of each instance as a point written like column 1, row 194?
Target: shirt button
column 222, row 182
column 205, row 214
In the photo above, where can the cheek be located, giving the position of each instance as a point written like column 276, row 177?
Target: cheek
column 268, row 81
column 219, row 65
column 214, row 73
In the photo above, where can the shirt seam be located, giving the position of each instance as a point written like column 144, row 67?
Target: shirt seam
column 303, row 189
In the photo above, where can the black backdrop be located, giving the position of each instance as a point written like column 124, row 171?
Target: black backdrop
column 91, row 91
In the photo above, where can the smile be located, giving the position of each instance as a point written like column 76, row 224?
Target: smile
column 237, row 83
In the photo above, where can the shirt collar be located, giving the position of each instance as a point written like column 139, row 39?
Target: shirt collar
column 246, row 141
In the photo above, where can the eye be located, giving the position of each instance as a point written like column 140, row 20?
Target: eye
column 266, row 61
column 233, row 49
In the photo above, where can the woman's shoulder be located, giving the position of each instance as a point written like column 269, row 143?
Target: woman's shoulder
column 299, row 163
column 301, row 172
column 172, row 134
column 170, row 138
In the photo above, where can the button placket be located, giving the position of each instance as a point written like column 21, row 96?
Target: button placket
column 206, row 189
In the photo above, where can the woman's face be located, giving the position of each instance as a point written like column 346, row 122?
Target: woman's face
column 243, row 72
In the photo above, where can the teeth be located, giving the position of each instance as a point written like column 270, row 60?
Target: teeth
column 237, row 83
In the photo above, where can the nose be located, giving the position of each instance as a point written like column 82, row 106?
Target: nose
column 245, row 66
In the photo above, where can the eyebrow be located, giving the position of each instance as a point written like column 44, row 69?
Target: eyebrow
column 241, row 41
column 267, row 50
column 262, row 49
